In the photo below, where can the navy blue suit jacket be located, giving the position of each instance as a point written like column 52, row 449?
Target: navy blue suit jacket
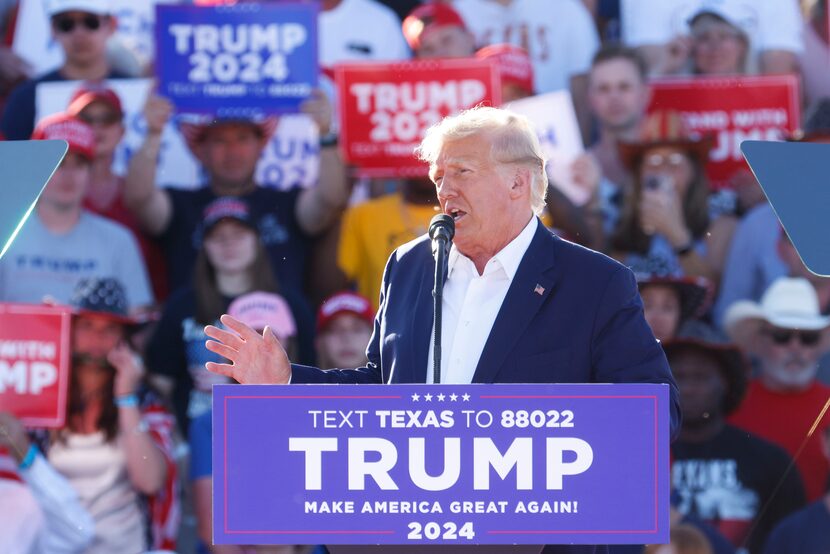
column 586, row 326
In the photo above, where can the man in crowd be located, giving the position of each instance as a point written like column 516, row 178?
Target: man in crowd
column 100, row 107
column 81, row 28
column 228, row 150
column 500, row 285
column 787, row 335
column 62, row 242
column 436, row 30
column 737, row 482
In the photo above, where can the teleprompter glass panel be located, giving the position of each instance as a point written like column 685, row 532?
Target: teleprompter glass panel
column 25, row 168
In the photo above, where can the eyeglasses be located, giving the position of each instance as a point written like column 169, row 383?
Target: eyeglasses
column 784, row 336
column 673, row 160
column 66, row 24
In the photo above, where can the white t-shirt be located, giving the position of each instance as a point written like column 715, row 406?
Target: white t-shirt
column 97, row 470
column 40, row 263
column 771, row 24
column 559, row 35
column 360, row 30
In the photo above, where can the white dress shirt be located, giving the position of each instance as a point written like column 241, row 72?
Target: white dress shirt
column 471, row 303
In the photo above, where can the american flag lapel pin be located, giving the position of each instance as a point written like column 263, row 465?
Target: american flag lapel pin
column 540, row 290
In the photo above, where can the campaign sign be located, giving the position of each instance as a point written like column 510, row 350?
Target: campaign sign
column 240, row 60
column 290, row 159
column 440, row 464
column 553, row 116
column 386, row 107
column 34, row 363
column 732, row 109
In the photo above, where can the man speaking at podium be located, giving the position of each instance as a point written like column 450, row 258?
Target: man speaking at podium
column 520, row 305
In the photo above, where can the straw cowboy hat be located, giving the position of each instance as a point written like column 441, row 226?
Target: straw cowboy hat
column 788, row 303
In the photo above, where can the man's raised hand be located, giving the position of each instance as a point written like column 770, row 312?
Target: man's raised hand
column 255, row 359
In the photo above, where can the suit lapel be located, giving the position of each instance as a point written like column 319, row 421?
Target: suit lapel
column 421, row 329
column 531, row 286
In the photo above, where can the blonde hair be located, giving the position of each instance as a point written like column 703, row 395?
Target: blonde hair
column 512, row 141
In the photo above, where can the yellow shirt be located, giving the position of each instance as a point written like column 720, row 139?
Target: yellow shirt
column 370, row 233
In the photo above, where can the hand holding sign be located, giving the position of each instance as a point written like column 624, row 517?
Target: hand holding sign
column 256, row 359
column 157, row 112
column 13, row 436
column 318, row 108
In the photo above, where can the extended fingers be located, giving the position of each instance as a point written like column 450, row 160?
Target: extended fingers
column 222, row 369
column 220, row 335
column 243, row 330
column 222, row 349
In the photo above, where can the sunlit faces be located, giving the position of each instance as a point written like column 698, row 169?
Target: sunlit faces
column 83, row 36
column 107, row 126
column 446, row 41
column 231, row 247
column 662, row 309
column 342, row 344
column 67, row 187
column 701, row 385
column 95, row 336
column 789, row 357
column 718, row 48
column 230, row 152
column 618, row 94
column 671, row 162
column 489, row 201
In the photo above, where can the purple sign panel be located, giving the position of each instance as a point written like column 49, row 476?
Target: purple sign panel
column 238, row 60
column 440, row 464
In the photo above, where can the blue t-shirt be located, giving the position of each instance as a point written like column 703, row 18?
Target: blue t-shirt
column 804, row 532
column 201, row 463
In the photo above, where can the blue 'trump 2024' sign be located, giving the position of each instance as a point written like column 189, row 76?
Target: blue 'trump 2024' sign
column 239, row 60
column 440, row 464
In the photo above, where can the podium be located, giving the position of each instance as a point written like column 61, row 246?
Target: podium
column 441, row 468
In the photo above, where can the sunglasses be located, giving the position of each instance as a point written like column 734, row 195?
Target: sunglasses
column 784, row 336
column 67, row 24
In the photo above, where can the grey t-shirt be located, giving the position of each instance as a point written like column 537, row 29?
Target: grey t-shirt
column 41, row 263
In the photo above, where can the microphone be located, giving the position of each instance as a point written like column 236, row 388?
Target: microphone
column 441, row 231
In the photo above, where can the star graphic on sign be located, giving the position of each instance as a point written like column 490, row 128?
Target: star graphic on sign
column 428, row 397
column 440, row 397
column 453, row 397
column 415, row 397
column 465, row 397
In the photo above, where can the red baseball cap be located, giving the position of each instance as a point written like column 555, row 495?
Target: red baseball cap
column 62, row 126
column 426, row 17
column 93, row 92
column 513, row 63
column 344, row 303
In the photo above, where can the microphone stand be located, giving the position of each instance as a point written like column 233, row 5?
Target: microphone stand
column 441, row 231
column 437, row 305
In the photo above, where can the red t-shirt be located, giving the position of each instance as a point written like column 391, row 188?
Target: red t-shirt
column 785, row 419
column 150, row 250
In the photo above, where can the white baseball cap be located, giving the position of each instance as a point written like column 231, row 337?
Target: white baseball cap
column 98, row 7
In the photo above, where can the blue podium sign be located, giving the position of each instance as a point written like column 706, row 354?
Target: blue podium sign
column 441, row 464
column 240, row 60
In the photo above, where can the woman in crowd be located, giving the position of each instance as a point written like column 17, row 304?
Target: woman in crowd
column 116, row 449
column 231, row 262
column 671, row 303
column 719, row 44
column 664, row 228
column 345, row 322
